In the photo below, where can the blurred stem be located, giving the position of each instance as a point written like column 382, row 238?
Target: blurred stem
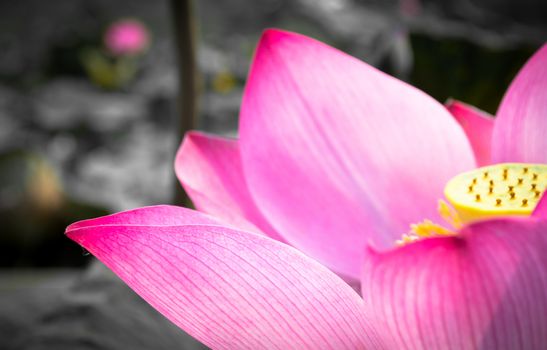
column 185, row 28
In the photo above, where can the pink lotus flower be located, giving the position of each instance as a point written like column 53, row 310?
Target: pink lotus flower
column 339, row 159
column 126, row 37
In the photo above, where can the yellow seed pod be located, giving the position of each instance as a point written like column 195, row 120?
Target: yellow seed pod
column 497, row 190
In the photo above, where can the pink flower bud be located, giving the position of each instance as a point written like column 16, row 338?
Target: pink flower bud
column 126, row 37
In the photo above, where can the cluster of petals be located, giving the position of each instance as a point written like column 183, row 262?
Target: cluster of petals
column 334, row 161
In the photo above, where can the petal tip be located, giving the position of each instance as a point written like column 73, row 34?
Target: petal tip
column 195, row 141
column 189, row 144
column 189, row 138
column 68, row 229
column 273, row 38
column 456, row 107
column 272, row 35
column 449, row 102
column 72, row 233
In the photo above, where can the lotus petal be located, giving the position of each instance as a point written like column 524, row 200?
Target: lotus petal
column 540, row 210
column 232, row 289
column 520, row 133
column 337, row 154
column 484, row 289
column 478, row 126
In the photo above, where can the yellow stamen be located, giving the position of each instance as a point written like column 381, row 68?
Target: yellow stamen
column 449, row 214
column 406, row 238
column 424, row 229
column 427, row 228
column 500, row 190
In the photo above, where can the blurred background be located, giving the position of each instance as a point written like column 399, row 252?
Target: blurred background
column 96, row 94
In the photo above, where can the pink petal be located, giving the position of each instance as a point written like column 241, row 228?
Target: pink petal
column 209, row 169
column 231, row 289
column 478, row 126
column 540, row 210
column 336, row 153
column 520, row 134
column 484, row 290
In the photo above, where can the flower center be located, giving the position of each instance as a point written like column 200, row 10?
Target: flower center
column 497, row 190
